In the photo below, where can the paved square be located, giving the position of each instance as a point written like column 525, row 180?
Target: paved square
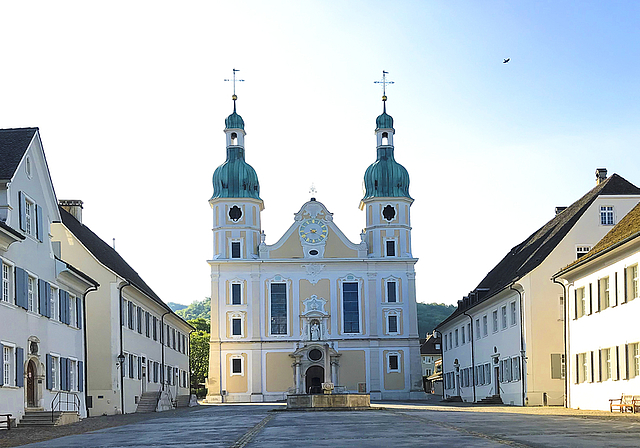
column 399, row 425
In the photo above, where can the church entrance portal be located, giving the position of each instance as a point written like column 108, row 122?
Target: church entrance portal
column 31, row 384
column 314, row 379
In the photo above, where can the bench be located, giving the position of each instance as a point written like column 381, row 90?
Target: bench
column 6, row 419
column 625, row 403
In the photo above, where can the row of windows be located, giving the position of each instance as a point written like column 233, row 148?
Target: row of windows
column 584, row 303
column 480, row 375
column 64, row 373
column 138, row 367
column 501, row 319
column 613, row 363
column 22, row 289
column 137, row 319
column 350, row 308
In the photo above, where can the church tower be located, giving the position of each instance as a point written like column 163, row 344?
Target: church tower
column 386, row 199
column 236, row 199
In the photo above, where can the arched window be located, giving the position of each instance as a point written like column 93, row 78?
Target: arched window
column 385, row 138
column 234, row 138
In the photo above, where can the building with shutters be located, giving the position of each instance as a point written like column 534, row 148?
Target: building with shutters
column 124, row 317
column 43, row 298
column 601, row 318
column 505, row 342
column 314, row 307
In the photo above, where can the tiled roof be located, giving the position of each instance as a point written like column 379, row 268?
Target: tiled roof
column 428, row 347
column 13, row 144
column 108, row 256
column 628, row 228
column 529, row 254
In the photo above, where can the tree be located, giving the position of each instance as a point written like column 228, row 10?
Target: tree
column 199, row 308
column 430, row 315
column 199, row 359
column 201, row 324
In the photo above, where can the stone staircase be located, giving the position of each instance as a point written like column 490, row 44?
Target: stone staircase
column 39, row 419
column 182, row 401
column 148, row 402
column 493, row 399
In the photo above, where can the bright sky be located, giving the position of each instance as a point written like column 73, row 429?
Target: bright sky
column 130, row 101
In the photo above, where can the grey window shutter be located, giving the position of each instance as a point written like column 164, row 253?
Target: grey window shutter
column 625, row 287
column 47, row 299
column 22, row 288
column 23, row 212
column 49, row 372
column 42, row 297
column 122, row 311
column 575, row 309
column 63, row 306
column 599, row 298
column 19, row 367
column 80, row 376
column 69, row 374
column 79, row 311
column 66, row 308
column 63, row 378
column 1, row 354
column 139, row 368
column 39, row 228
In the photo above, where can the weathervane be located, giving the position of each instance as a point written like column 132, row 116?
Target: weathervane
column 384, row 83
column 234, row 97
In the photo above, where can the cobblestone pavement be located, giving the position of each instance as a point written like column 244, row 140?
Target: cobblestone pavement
column 397, row 424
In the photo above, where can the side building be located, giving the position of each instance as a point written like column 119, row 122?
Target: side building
column 138, row 349
column 43, row 298
column 506, row 339
column 430, row 354
column 602, row 315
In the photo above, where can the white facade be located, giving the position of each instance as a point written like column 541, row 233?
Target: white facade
column 41, row 300
column 603, row 311
column 153, row 340
column 523, row 358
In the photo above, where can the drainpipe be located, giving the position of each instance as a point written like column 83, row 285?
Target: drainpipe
column 84, row 335
column 473, row 358
column 523, row 372
column 128, row 283
column 565, row 336
column 164, row 340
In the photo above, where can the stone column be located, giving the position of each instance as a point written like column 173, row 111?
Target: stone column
column 298, row 381
column 327, row 363
column 334, row 372
column 373, row 304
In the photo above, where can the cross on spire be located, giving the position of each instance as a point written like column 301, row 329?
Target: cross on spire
column 234, row 97
column 384, row 83
column 313, row 190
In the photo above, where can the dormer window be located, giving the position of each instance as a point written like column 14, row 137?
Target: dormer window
column 234, row 138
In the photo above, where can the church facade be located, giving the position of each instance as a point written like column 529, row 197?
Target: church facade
column 314, row 308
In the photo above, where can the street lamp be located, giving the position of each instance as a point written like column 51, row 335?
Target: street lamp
column 120, row 359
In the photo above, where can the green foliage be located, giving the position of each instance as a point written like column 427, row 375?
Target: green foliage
column 201, row 324
column 176, row 306
column 430, row 315
column 197, row 309
column 199, row 365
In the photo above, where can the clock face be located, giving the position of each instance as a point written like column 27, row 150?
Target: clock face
column 313, row 231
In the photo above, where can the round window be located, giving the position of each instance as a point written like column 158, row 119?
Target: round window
column 235, row 213
column 389, row 213
column 315, row 355
column 313, row 252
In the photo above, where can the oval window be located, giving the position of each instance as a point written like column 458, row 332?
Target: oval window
column 235, row 213
column 315, row 354
column 389, row 213
column 313, row 252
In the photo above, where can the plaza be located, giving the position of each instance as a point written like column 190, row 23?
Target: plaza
column 423, row 424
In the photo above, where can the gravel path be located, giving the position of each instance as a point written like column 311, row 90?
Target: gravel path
column 22, row 436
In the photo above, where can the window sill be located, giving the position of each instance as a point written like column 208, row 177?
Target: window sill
column 8, row 304
column 7, row 386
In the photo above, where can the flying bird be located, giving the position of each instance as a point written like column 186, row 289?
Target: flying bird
column 506, row 60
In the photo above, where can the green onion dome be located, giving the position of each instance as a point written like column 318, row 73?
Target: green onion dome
column 386, row 178
column 235, row 178
column 384, row 121
column 234, row 121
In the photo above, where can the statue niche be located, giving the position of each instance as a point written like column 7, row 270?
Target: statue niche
column 314, row 318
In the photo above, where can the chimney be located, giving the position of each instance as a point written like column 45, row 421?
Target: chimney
column 601, row 175
column 73, row 206
column 560, row 210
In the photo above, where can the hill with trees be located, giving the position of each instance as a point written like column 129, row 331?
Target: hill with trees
column 430, row 315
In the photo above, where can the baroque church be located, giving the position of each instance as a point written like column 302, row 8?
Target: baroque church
column 314, row 310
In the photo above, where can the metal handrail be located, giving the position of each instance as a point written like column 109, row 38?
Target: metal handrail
column 75, row 401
